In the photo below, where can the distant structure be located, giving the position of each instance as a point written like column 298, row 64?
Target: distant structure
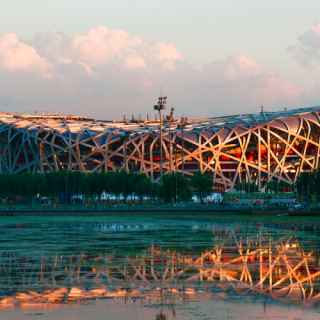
column 253, row 148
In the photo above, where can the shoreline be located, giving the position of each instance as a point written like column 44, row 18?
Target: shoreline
column 156, row 210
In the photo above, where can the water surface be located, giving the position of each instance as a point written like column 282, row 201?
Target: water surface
column 159, row 266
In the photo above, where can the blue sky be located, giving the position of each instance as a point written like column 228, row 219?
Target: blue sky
column 203, row 32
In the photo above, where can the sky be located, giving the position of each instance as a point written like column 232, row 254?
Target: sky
column 106, row 58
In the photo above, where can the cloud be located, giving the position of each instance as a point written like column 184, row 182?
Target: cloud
column 103, row 46
column 239, row 84
column 307, row 49
column 167, row 54
column 16, row 55
column 107, row 72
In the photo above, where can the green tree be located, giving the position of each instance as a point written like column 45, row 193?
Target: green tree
column 307, row 185
column 248, row 187
column 174, row 187
column 142, row 185
column 202, row 185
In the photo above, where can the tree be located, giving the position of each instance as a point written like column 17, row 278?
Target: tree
column 247, row 187
column 142, row 185
column 202, row 185
column 174, row 187
column 276, row 186
column 307, row 184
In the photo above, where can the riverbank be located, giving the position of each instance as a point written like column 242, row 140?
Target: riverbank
column 165, row 209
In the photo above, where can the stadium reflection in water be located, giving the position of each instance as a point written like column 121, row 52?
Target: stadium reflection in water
column 160, row 261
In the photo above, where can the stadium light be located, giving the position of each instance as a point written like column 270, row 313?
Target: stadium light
column 162, row 101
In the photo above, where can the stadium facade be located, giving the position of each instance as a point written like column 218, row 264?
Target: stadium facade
column 248, row 147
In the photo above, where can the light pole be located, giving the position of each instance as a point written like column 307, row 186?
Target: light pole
column 171, row 120
column 162, row 101
column 181, row 126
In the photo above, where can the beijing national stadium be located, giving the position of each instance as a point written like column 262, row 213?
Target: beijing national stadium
column 233, row 149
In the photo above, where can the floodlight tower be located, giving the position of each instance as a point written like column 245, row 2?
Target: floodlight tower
column 161, row 105
column 181, row 126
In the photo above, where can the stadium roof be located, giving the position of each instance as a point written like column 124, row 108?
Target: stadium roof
column 76, row 124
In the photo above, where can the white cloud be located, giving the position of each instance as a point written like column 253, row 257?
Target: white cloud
column 135, row 62
column 101, row 45
column 106, row 72
column 307, row 48
column 167, row 54
column 240, row 84
column 16, row 55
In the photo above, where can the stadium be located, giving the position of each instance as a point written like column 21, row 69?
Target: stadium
column 254, row 148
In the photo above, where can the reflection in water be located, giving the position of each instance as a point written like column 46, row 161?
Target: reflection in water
column 162, row 263
column 281, row 269
column 161, row 316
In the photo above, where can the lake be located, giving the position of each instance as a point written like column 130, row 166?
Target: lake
column 159, row 266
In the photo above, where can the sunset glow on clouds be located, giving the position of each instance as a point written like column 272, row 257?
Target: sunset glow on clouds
column 16, row 55
column 106, row 72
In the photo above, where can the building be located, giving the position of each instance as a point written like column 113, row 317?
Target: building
column 247, row 147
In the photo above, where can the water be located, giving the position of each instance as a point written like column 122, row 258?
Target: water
column 159, row 267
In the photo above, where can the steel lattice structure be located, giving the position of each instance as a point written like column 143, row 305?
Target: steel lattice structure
column 252, row 147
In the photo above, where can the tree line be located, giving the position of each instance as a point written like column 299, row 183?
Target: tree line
column 272, row 186
column 173, row 187
column 308, row 186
